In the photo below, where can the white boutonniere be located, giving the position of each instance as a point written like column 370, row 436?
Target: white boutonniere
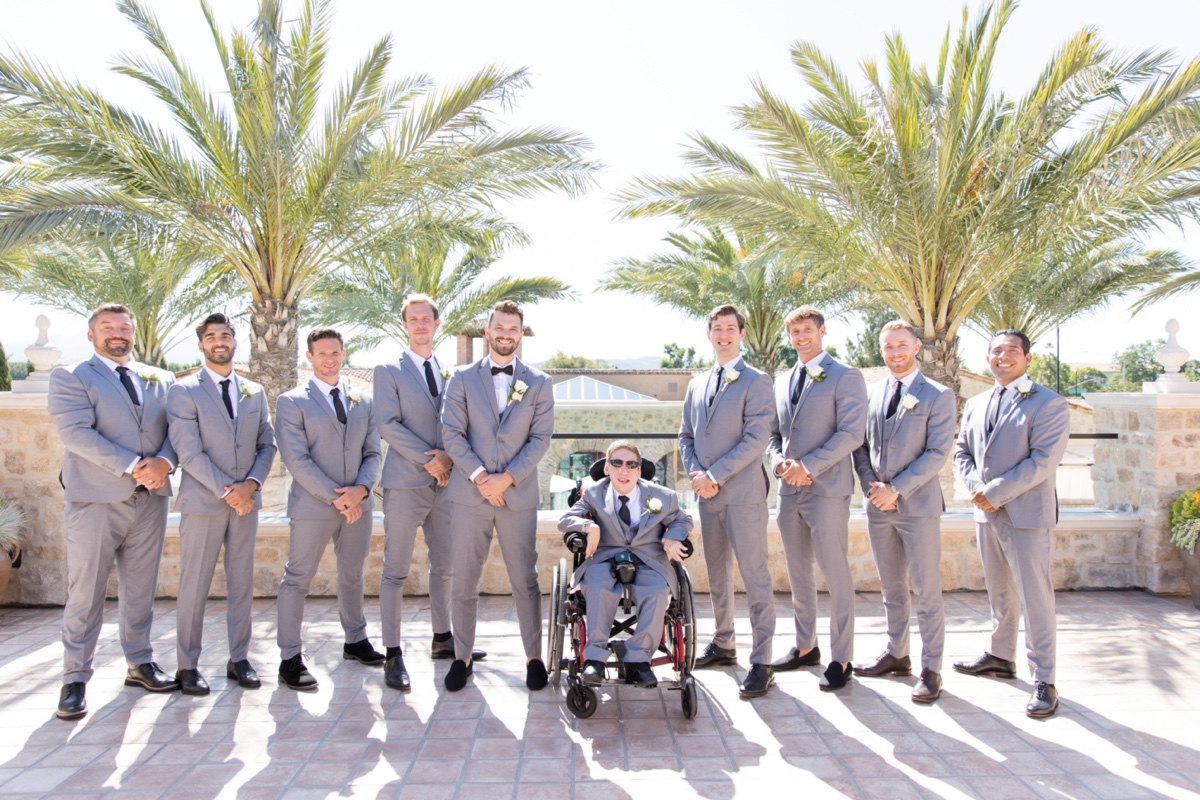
column 149, row 376
column 517, row 391
column 446, row 374
column 653, row 505
column 732, row 375
column 1025, row 388
column 249, row 391
column 354, row 396
column 909, row 402
column 816, row 373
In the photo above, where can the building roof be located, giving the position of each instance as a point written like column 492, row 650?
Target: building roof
column 585, row 388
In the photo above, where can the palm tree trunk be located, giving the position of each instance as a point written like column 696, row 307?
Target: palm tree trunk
column 274, row 347
column 762, row 356
column 939, row 361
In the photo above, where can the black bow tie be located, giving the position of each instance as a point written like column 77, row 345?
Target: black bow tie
column 506, row 370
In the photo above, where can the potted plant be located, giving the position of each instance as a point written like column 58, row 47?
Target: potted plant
column 1185, row 527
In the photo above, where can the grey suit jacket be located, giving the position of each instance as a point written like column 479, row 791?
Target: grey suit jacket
column 644, row 539
column 322, row 453
column 728, row 439
column 515, row 440
column 214, row 450
column 909, row 449
column 823, row 431
column 409, row 421
column 1015, row 466
column 103, row 432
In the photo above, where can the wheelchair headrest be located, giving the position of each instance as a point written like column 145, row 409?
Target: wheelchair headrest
column 648, row 469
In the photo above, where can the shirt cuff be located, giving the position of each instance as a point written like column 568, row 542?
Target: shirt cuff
column 708, row 475
column 132, row 464
column 476, row 473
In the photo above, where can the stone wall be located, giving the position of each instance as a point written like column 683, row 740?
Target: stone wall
column 1154, row 459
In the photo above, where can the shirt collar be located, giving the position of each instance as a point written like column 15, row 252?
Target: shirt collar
column 635, row 496
column 816, row 361
column 131, row 366
column 513, row 363
column 420, row 359
column 907, row 380
column 325, row 388
column 218, row 378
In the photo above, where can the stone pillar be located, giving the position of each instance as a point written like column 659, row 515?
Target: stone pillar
column 30, row 456
column 1153, row 460
column 465, row 349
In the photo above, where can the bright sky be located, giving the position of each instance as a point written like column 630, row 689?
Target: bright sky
column 636, row 78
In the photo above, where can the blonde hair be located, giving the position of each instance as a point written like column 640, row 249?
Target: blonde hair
column 803, row 313
column 622, row 444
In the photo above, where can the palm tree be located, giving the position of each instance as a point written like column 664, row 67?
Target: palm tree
column 709, row 269
column 1040, row 299
column 278, row 181
column 930, row 191
column 368, row 293
column 167, row 286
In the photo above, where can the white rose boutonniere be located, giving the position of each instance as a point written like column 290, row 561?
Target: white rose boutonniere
column 354, row 396
column 1024, row 388
column 909, row 402
column 653, row 505
column 446, row 374
column 249, row 391
column 732, row 375
column 517, row 391
column 816, row 373
column 149, row 376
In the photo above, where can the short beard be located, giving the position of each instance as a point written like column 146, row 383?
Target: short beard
column 218, row 359
column 121, row 349
column 498, row 349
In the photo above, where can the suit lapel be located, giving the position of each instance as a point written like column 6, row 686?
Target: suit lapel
column 810, row 384
column 724, row 387
column 417, row 373
column 213, row 392
column 484, row 387
column 317, row 397
column 111, row 377
column 520, row 373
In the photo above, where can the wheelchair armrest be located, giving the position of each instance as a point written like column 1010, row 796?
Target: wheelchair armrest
column 576, row 542
column 688, row 548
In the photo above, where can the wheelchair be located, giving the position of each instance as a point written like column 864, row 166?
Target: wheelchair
column 568, row 620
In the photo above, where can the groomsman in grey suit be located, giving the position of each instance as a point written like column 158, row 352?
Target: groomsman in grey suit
column 111, row 414
column 1010, row 445
column 910, row 431
column 408, row 405
column 497, row 422
column 623, row 514
column 821, row 419
column 727, row 415
column 329, row 442
column 221, row 428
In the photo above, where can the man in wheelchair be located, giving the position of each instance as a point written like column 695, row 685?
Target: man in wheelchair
column 628, row 529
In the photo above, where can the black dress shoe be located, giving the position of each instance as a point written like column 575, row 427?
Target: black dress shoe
column 758, row 681
column 929, row 688
column 363, row 653
column 191, row 681
column 793, row 660
column 884, row 665
column 639, row 674
column 243, row 673
column 593, row 672
column 294, row 675
column 836, row 676
column 445, row 650
column 987, row 664
column 1044, row 701
column 71, row 702
column 395, row 675
column 151, row 678
column 714, row 656
column 456, row 678
column 535, row 675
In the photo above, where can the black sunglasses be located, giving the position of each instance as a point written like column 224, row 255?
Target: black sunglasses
column 617, row 463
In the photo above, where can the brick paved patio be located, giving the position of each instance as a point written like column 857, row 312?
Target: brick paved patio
column 1129, row 674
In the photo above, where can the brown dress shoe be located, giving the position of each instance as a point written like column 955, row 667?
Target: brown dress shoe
column 884, row 665
column 987, row 664
column 929, row 688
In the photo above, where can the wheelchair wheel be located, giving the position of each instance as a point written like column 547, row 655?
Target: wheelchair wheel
column 690, row 697
column 582, row 701
column 556, row 629
column 687, row 612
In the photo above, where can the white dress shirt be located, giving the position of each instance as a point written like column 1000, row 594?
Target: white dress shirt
column 635, row 502
column 326, row 390
column 501, row 383
column 234, row 394
column 808, row 380
column 420, row 360
column 137, row 388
